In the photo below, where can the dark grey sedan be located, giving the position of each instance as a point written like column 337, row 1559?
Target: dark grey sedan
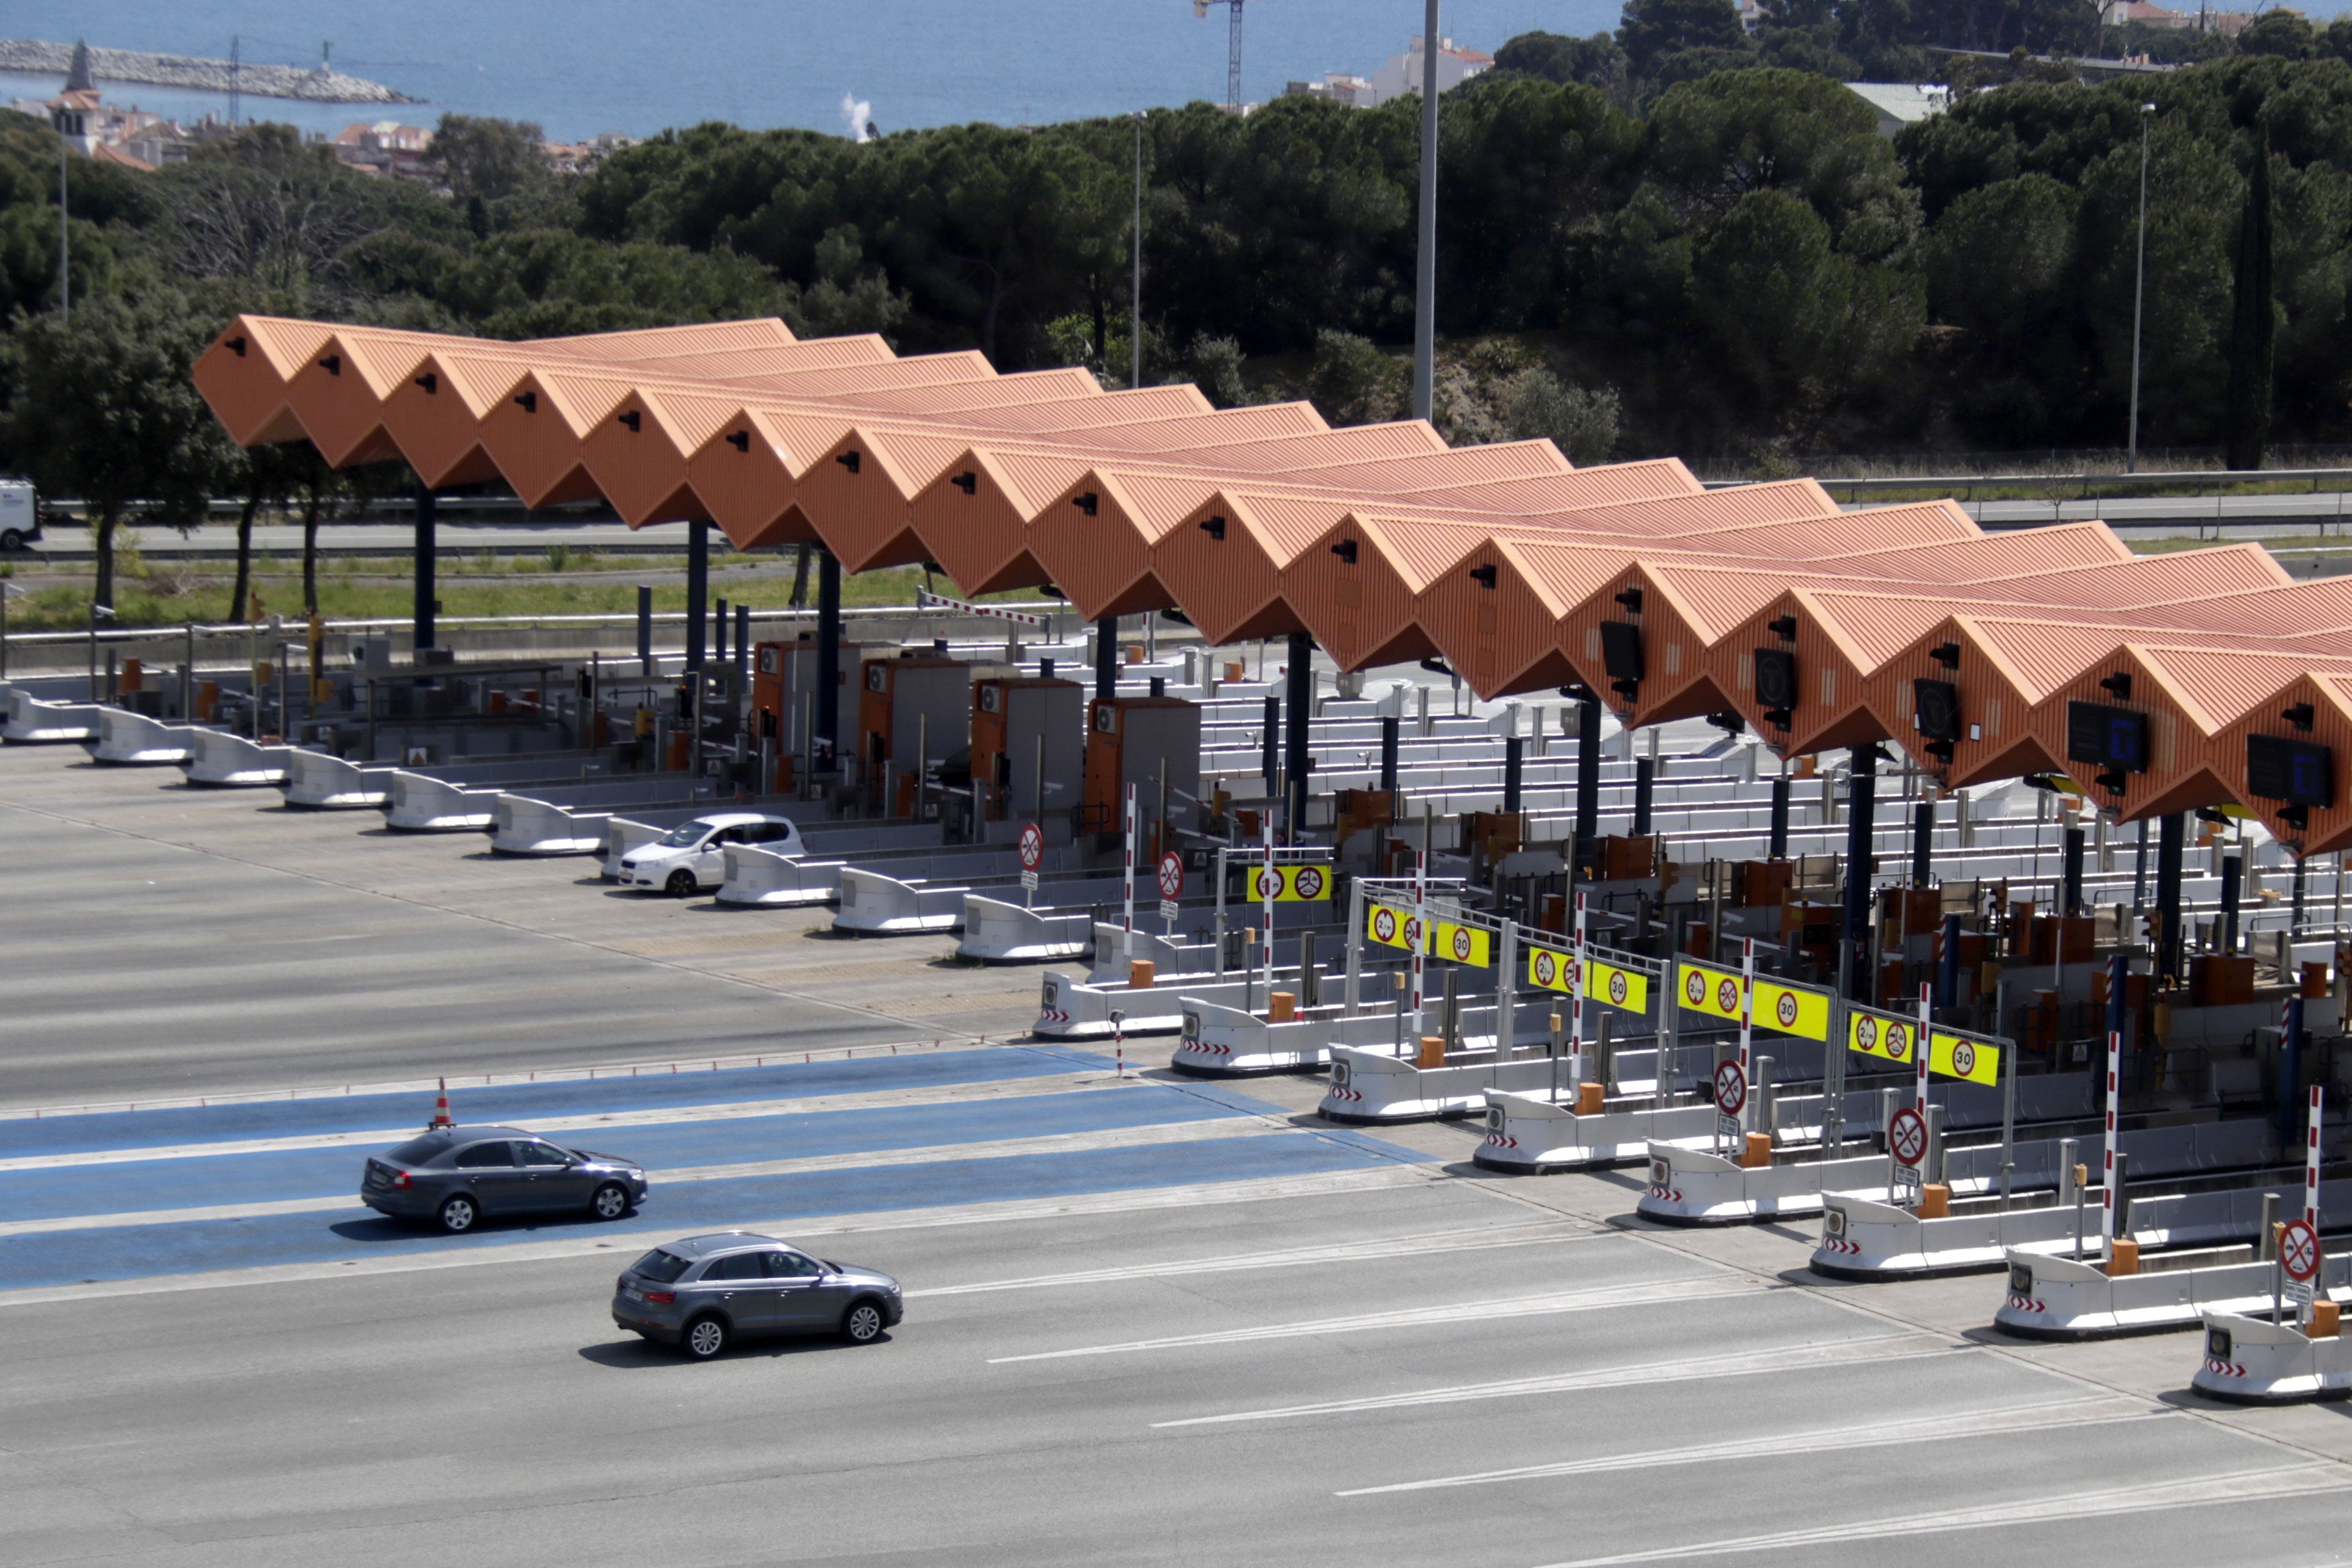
column 456, row 1177
column 701, row 1293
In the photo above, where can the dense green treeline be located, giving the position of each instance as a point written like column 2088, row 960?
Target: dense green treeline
column 1677, row 238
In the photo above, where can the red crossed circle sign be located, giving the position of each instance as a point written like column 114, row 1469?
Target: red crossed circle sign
column 1172, row 875
column 1727, row 995
column 1032, row 847
column 1906, row 1135
column 1307, row 882
column 1730, row 1088
column 2298, row 1249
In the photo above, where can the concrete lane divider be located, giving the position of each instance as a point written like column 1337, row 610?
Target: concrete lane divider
column 1863, row 1239
column 319, row 782
column 1218, row 1041
column 874, row 905
column 997, row 930
column 2249, row 1360
column 39, row 721
column 758, row 878
column 225, row 761
column 133, row 740
column 2070, row 1299
column 1528, row 1134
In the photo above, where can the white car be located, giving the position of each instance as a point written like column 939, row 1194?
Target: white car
column 690, row 859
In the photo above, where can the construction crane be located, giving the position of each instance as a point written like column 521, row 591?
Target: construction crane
column 1233, row 61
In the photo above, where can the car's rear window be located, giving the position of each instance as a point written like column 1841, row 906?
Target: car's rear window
column 659, row 1266
column 417, row 1151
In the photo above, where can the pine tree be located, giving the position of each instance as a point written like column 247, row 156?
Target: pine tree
column 2253, row 327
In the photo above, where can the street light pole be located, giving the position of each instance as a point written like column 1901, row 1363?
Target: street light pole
column 1425, row 294
column 2139, row 289
column 1135, row 288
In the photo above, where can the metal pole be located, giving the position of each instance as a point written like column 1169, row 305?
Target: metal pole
column 2108, row 1192
column 1861, row 793
column 1355, row 942
column 1267, row 880
column 427, row 521
column 1126, row 921
column 1300, row 693
column 2139, row 290
column 698, row 590
column 1135, row 289
column 2171, row 832
column 825, row 740
column 1505, row 992
column 1424, row 293
column 1576, row 1006
column 1777, row 847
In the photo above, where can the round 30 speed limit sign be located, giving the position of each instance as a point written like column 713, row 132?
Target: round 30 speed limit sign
column 1730, row 1088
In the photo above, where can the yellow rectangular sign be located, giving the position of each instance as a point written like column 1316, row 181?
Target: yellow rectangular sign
column 1292, row 884
column 1708, row 990
column 1797, row 1010
column 1611, row 986
column 1963, row 1056
column 1614, row 988
column 1465, row 944
column 1887, row 1035
column 1393, row 927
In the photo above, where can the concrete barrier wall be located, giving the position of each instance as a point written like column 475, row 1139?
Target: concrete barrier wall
column 758, row 878
column 874, row 905
column 1218, row 1041
column 996, row 930
column 2248, row 1359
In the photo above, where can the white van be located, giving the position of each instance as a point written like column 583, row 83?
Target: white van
column 20, row 518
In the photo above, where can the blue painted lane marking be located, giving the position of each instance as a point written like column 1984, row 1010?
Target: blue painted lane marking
column 66, row 1258
column 521, row 1102
column 136, row 1186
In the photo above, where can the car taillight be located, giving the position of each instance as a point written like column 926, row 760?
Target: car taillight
column 400, row 1178
column 661, row 1298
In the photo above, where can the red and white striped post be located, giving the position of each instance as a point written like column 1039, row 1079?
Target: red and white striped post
column 1272, row 883
column 1575, row 1003
column 1420, row 930
column 1128, row 924
column 2107, row 1182
column 1919, row 1047
column 2311, row 1163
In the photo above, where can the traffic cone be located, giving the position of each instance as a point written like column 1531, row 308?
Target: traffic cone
column 441, row 1109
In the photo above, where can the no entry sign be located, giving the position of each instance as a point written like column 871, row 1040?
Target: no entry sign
column 1032, row 847
column 1730, row 1088
column 1906, row 1137
column 1172, row 875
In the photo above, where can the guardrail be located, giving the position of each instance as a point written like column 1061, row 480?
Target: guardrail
column 2079, row 487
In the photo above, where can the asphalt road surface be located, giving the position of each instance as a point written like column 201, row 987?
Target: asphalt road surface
column 1149, row 1320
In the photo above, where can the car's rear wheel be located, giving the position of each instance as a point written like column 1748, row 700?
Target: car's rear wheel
column 458, row 1214
column 862, row 1324
column 681, row 884
column 12, row 539
column 704, row 1338
column 611, row 1201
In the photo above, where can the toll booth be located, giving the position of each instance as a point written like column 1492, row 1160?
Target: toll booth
column 1011, row 716
column 783, row 684
column 907, row 703
column 1131, row 741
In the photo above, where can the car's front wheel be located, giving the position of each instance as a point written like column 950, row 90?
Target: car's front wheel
column 862, row 1324
column 681, row 884
column 704, row 1338
column 610, row 1202
column 458, row 1214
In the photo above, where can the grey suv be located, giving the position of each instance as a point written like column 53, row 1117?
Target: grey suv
column 457, row 1175
column 701, row 1294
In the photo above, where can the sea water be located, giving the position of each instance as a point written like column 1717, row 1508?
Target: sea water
column 579, row 66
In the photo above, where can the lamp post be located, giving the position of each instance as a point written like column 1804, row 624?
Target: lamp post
column 1424, row 293
column 2139, row 289
column 1135, row 287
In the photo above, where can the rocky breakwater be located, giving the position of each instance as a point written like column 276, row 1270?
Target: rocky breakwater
column 319, row 85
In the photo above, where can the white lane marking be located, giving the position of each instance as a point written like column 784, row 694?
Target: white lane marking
column 1793, row 1358
column 2037, row 1418
column 1648, row 1292
column 947, row 1216
column 864, row 1158
column 665, row 1116
column 1418, row 1245
column 2238, row 1487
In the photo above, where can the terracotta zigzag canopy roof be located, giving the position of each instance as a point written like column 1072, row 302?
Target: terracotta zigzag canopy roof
column 1983, row 655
